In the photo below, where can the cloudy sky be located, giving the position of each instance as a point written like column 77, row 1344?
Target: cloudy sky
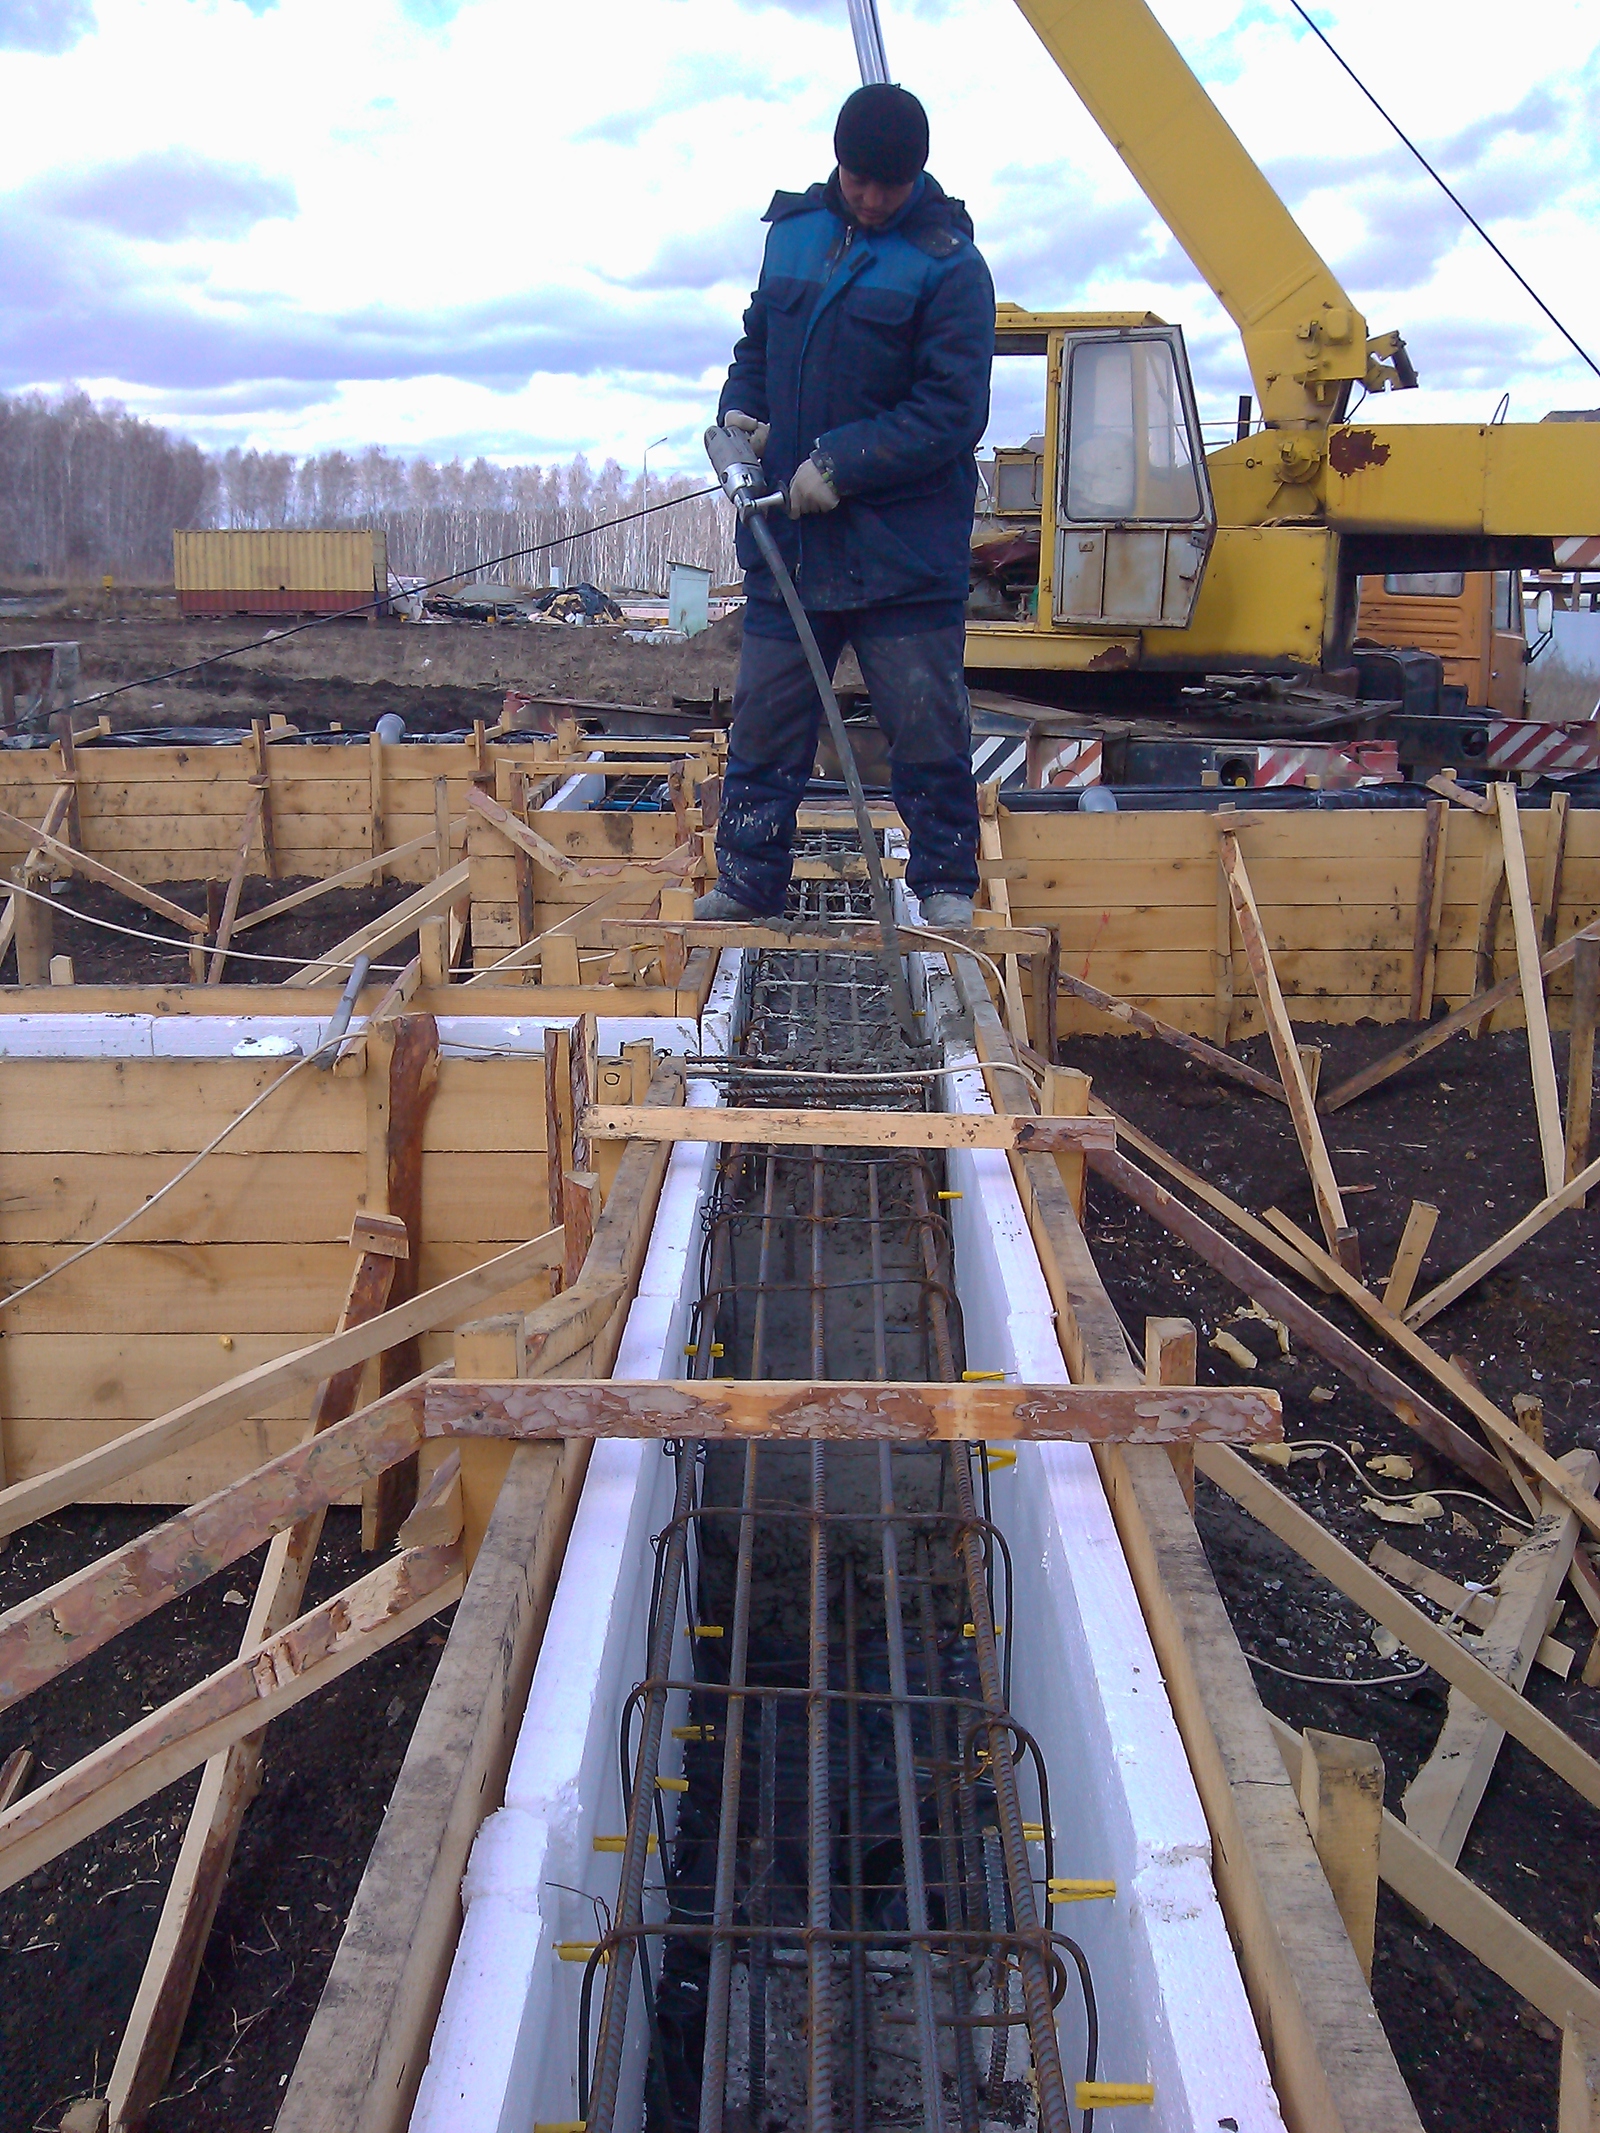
column 528, row 229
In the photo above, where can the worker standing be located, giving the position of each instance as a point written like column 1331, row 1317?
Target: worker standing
column 862, row 377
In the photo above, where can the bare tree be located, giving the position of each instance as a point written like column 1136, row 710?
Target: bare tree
column 86, row 490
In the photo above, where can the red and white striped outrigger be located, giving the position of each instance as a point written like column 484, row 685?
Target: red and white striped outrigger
column 1528, row 746
column 1078, row 760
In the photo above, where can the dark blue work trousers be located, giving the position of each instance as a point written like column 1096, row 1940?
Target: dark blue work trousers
column 919, row 698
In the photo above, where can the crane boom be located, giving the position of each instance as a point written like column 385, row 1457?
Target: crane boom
column 1304, row 338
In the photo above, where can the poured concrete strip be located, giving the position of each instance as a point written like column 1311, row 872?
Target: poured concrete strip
column 504, row 2050
column 1086, row 1683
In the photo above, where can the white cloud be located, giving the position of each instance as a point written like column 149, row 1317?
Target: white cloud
column 449, row 224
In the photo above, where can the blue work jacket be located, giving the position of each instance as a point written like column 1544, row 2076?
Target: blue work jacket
column 873, row 348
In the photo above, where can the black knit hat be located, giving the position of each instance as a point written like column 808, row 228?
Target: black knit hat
column 882, row 134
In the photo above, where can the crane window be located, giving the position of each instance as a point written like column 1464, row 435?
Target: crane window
column 1507, row 606
column 1425, row 584
column 1128, row 454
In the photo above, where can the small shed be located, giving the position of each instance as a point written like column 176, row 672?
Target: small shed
column 688, row 592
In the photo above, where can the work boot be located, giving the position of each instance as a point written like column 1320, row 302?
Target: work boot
column 945, row 909
column 718, row 904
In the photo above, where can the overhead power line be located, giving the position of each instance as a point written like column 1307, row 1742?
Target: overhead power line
column 1454, row 198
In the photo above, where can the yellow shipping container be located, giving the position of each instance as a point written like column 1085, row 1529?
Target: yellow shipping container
column 278, row 573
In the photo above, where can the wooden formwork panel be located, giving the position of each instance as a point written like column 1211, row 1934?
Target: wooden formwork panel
column 174, row 814
column 247, row 1258
column 1135, row 899
column 515, row 897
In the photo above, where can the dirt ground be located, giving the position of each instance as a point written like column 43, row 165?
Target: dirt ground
column 439, row 675
column 1457, row 1131
column 265, row 955
column 74, row 1936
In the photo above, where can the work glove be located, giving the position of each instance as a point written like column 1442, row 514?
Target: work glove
column 757, row 432
column 811, row 491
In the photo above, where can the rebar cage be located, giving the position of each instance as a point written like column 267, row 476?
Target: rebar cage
column 853, row 1921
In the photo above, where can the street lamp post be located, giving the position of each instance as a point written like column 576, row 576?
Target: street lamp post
column 649, row 448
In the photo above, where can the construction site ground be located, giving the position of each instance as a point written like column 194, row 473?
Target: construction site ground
column 74, row 1936
column 76, row 1933
column 1455, row 1130
column 435, row 675
column 102, row 957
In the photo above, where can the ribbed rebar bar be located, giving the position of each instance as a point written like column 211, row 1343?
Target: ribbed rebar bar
column 714, row 2074
column 855, row 1809
column 944, row 1793
column 760, row 1905
column 994, row 1874
column 910, row 1809
column 819, row 1889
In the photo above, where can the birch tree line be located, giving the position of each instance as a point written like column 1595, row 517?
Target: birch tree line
column 87, row 490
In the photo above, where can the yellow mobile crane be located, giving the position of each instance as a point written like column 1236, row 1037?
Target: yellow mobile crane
column 1158, row 558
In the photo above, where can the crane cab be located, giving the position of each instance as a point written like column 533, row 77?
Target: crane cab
column 1103, row 522
column 1473, row 619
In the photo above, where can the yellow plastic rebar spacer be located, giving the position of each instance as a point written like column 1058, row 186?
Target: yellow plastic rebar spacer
column 619, row 1844
column 982, row 1377
column 1106, row 2095
column 996, row 1460
column 1062, row 1890
column 694, row 1732
column 1033, row 1832
column 702, row 1629
column 579, row 1951
column 672, row 1784
column 947, row 1196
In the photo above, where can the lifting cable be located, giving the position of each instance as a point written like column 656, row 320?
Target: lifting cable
column 1454, row 198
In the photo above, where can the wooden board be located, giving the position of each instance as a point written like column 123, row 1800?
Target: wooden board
column 492, row 1196
column 778, row 1409
column 1134, row 898
column 259, row 1386
column 173, row 1106
column 837, row 1129
column 1546, row 1097
column 228, row 1705
column 368, row 2042
column 216, row 1289
column 1309, row 1327
column 1447, row 1899
column 846, row 938
column 1417, row 1631
column 1443, row 1797
column 1291, row 1069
